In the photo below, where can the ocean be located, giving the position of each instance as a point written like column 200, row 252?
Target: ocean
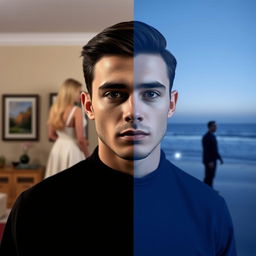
column 235, row 180
column 237, row 142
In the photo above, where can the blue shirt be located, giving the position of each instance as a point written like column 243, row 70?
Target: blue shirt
column 176, row 214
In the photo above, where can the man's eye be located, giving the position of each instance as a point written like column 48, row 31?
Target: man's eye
column 151, row 94
column 113, row 95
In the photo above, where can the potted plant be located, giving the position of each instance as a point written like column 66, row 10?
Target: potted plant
column 24, row 158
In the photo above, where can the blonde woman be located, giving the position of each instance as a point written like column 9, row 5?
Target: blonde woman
column 66, row 126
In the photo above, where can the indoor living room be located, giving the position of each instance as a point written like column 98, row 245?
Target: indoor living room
column 40, row 47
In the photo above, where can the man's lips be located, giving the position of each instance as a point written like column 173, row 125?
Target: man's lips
column 133, row 135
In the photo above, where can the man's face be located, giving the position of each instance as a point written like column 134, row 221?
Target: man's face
column 130, row 104
column 213, row 128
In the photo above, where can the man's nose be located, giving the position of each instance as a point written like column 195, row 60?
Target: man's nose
column 132, row 110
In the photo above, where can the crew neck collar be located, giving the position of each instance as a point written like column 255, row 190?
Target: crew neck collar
column 152, row 175
column 95, row 157
column 137, row 180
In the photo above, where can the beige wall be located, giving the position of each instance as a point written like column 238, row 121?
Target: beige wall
column 37, row 70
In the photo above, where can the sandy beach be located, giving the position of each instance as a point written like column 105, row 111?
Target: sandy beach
column 236, row 182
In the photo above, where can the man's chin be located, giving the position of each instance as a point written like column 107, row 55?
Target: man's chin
column 133, row 156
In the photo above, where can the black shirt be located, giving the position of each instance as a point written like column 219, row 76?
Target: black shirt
column 91, row 209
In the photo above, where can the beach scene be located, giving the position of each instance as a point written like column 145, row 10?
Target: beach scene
column 214, row 43
column 235, row 180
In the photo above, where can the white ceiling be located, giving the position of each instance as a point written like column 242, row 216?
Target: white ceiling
column 65, row 16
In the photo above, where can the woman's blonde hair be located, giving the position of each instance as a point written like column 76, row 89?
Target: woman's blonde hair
column 67, row 95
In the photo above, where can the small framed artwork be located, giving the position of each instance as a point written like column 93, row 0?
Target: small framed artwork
column 20, row 117
column 52, row 98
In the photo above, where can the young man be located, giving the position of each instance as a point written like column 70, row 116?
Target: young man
column 210, row 153
column 126, row 199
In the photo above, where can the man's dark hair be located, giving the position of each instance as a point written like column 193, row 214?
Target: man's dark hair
column 126, row 39
column 210, row 124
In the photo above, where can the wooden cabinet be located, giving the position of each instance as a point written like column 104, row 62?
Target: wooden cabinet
column 14, row 181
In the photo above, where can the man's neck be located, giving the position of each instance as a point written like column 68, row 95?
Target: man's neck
column 137, row 168
column 147, row 165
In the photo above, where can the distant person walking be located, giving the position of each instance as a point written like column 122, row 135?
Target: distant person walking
column 210, row 153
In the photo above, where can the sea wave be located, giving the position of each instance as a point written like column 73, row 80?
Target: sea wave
column 221, row 136
column 236, row 141
column 227, row 156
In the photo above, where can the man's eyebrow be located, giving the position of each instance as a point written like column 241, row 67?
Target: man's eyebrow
column 113, row 85
column 110, row 85
column 151, row 85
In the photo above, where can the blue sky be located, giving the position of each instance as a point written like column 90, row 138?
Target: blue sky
column 17, row 107
column 215, row 46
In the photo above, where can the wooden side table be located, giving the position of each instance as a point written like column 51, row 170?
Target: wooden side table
column 13, row 181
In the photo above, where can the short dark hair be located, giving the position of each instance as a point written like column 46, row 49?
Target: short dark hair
column 211, row 123
column 127, row 39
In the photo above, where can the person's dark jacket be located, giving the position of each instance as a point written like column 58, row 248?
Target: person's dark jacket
column 210, row 148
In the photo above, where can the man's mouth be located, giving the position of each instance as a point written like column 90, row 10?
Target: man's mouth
column 133, row 134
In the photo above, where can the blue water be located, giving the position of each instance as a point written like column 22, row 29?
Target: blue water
column 237, row 142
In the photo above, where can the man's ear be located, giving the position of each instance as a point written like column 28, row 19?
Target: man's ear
column 87, row 105
column 173, row 102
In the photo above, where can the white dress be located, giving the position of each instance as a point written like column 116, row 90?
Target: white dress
column 65, row 151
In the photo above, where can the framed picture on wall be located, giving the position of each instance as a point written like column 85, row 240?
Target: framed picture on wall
column 52, row 98
column 20, row 117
